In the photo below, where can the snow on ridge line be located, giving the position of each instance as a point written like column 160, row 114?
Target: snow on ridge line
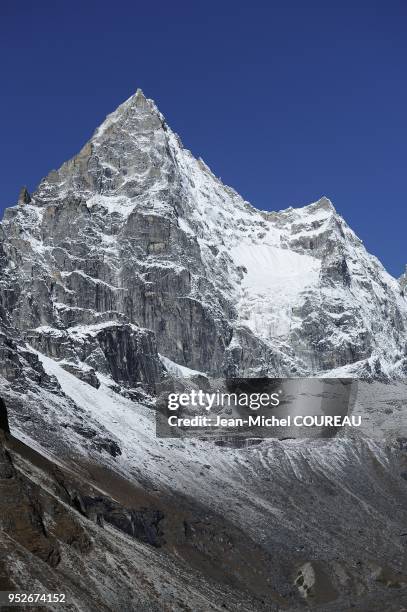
column 178, row 370
column 87, row 329
column 96, row 281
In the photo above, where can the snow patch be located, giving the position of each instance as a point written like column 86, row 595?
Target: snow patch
column 273, row 280
column 177, row 370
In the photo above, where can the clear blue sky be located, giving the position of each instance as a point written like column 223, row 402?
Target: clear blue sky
column 286, row 101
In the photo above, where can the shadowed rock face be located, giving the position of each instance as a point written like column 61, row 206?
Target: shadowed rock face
column 4, row 425
column 21, row 513
column 124, row 352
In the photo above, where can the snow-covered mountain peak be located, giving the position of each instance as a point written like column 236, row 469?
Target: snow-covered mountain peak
column 125, row 150
column 136, row 106
column 321, row 208
column 135, row 229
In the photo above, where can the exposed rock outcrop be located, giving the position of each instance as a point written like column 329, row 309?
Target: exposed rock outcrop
column 24, row 196
column 403, row 281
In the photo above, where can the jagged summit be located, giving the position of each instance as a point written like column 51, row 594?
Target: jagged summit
column 131, row 139
column 124, row 159
column 117, row 155
column 139, row 93
column 323, row 203
column 136, row 103
column 322, row 208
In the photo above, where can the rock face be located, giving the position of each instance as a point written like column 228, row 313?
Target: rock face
column 123, row 351
column 21, row 516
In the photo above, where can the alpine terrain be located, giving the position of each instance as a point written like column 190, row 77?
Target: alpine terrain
column 130, row 271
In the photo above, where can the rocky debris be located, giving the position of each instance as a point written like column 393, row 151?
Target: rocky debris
column 99, row 442
column 312, row 491
column 390, row 578
column 314, row 585
column 108, row 445
column 88, row 375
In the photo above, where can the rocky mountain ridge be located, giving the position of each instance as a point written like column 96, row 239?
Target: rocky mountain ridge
column 134, row 231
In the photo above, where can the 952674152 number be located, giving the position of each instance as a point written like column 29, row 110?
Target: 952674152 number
column 14, row 598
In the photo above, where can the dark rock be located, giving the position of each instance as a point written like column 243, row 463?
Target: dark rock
column 108, row 445
column 24, row 196
column 4, row 425
column 87, row 375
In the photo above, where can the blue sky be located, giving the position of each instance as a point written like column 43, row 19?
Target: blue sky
column 286, row 101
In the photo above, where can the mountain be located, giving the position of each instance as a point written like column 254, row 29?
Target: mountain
column 135, row 231
column 133, row 267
